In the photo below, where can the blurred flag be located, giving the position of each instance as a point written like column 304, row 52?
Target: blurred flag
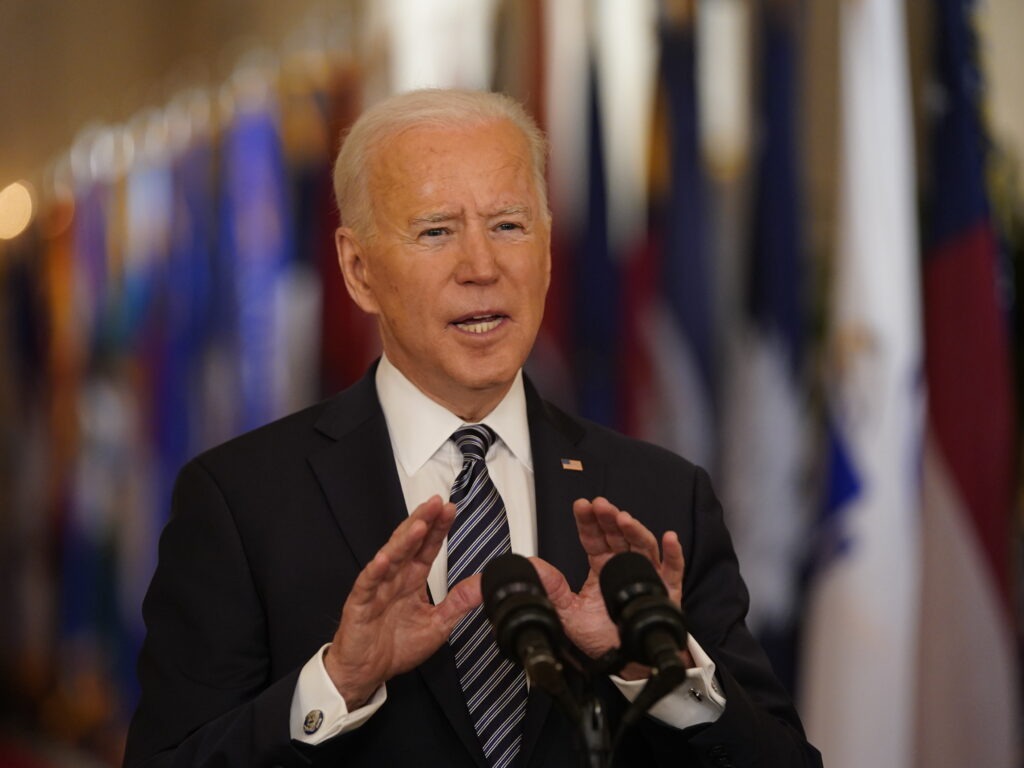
column 256, row 243
column 764, row 449
column 625, row 47
column 438, row 43
column 89, row 642
column 169, row 239
column 83, row 530
column 309, row 138
column 566, row 76
column 520, row 57
column 89, row 243
column 968, row 472
column 859, row 645
column 26, row 457
column 66, row 354
column 188, row 286
column 621, row 92
column 669, row 394
column 596, row 286
column 349, row 341
column 121, row 468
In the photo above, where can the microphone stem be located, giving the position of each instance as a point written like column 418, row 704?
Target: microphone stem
column 596, row 737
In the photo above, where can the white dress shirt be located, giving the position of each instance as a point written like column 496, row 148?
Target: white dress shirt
column 428, row 462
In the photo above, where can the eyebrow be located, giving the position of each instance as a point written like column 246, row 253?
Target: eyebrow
column 512, row 210
column 443, row 216
column 434, row 218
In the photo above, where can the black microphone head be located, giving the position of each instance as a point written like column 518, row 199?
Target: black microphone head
column 515, row 600
column 626, row 576
column 650, row 625
column 506, row 575
column 526, row 626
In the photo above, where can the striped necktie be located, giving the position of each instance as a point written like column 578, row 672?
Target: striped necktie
column 494, row 687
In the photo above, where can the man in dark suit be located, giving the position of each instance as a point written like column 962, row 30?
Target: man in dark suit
column 343, row 508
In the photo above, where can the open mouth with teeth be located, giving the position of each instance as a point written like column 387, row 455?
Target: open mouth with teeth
column 479, row 323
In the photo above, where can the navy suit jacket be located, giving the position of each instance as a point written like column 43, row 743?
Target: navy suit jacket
column 269, row 531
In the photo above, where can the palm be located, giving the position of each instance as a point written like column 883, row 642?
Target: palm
column 394, row 634
column 587, row 622
column 605, row 531
column 388, row 626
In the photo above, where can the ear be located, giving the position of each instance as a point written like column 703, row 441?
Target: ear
column 547, row 258
column 354, row 268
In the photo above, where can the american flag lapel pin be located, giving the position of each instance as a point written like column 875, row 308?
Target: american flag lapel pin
column 572, row 464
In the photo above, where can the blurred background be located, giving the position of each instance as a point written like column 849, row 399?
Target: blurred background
column 787, row 244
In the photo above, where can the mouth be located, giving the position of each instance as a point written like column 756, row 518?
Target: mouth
column 479, row 324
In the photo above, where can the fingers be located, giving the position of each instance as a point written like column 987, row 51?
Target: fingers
column 672, row 564
column 440, row 522
column 419, row 538
column 591, row 535
column 416, row 540
column 554, row 583
column 598, row 530
column 604, row 529
column 583, row 616
column 638, row 537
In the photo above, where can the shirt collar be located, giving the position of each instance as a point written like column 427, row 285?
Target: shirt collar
column 418, row 426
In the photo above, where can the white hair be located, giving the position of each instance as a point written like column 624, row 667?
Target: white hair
column 442, row 108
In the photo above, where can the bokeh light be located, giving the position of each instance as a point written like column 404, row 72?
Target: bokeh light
column 16, row 209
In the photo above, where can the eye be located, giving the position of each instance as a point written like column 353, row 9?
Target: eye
column 435, row 232
column 508, row 226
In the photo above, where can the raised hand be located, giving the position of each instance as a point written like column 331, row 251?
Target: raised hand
column 388, row 625
column 604, row 531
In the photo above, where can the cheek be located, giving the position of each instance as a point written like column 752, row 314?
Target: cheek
column 536, row 283
column 395, row 291
column 411, row 307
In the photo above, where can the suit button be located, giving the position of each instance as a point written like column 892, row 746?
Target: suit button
column 720, row 756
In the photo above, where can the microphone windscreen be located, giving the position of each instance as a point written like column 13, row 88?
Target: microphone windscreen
column 507, row 574
column 626, row 576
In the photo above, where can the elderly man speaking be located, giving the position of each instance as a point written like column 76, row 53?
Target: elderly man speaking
column 317, row 597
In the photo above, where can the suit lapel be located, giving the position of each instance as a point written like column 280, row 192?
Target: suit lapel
column 360, row 481
column 554, row 437
column 362, row 488
column 557, row 487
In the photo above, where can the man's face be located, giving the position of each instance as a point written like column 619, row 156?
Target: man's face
column 459, row 263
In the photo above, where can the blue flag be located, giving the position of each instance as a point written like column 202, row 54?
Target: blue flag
column 255, row 245
column 597, row 287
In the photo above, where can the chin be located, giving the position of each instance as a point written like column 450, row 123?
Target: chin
column 487, row 374
column 483, row 382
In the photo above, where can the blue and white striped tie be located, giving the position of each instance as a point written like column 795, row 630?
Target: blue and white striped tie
column 494, row 687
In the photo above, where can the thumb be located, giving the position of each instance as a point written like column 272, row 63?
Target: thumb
column 461, row 599
column 559, row 592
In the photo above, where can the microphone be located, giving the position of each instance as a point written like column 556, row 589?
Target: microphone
column 650, row 625
column 525, row 622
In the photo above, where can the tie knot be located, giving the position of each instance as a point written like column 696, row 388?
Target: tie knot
column 474, row 440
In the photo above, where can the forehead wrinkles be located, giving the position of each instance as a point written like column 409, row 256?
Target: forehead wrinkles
column 410, row 166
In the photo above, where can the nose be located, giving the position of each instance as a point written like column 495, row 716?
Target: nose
column 478, row 258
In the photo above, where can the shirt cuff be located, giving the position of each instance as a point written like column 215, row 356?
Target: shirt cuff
column 318, row 711
column 697, row 700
